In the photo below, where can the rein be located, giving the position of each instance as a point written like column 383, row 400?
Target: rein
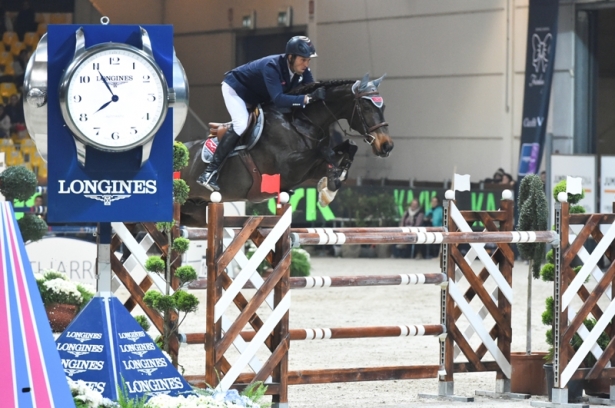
column 368, row 137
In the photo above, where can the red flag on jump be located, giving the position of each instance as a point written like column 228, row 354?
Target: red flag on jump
column 271, row 184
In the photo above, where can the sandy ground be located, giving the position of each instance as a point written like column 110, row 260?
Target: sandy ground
column 375, row 306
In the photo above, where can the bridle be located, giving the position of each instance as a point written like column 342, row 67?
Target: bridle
column 368, row 137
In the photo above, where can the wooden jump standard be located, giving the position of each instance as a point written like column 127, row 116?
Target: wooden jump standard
column 595, row 289
column 272, row 236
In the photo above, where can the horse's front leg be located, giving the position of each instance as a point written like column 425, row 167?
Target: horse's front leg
column 345, row 152
column 340, row 163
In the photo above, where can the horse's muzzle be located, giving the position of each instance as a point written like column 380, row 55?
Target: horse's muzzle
column 384, row 148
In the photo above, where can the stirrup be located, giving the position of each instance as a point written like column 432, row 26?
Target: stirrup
column 208, row 180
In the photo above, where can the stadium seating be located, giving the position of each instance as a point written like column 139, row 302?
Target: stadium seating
column 7, row 89
column 17, row 47
column 30, row 40
column 9, row 38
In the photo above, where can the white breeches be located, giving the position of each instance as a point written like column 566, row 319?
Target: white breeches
column 236, row 108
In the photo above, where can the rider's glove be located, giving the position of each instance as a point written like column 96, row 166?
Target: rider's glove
column 317, row 95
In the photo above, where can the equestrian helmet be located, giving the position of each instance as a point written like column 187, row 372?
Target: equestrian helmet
column 302, row 46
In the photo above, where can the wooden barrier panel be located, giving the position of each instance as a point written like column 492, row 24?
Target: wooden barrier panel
column 595, row 290
column 455, row 303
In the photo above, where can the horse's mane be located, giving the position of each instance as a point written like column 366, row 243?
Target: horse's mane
column 305, row 89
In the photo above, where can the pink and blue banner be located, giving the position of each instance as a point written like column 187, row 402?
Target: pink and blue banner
column 32, row 373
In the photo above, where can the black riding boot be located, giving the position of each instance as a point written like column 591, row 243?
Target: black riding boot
column 209, row 179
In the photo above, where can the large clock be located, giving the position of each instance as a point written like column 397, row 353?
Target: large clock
column 35, row 100
column 114, row 97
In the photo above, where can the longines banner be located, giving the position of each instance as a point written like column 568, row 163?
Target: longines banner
column 539, row 61
column 107, row 99
column 105, row 347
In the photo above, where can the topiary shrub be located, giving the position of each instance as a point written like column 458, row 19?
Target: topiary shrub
column 533, row 215
column 17, row 183
column 32, row 227
column 180, row 191
column 300, row 262
column 572, row 198
column 181, row 156
column 143, row 322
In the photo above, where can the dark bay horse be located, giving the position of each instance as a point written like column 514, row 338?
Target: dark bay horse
column 296, row 145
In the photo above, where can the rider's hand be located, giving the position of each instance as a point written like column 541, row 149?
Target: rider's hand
column 317, row 95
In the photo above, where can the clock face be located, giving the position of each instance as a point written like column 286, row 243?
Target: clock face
column 115, row 98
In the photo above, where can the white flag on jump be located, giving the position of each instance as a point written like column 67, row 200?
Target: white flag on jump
column 461, row 182
column 574, row 185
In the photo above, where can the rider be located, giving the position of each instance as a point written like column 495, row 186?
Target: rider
column 265, row 80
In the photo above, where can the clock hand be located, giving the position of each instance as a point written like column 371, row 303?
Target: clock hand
column 115, row 98
column 106, row 84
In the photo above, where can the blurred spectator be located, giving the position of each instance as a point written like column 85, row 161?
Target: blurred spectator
column 5, row 21
column 25, row 20
column 434, row 218
column 38, row 202
column 19, row 66
column 543, row 178
column 413, row 217
column 497, row 177
column 5, row 123
column 507, row 180
column 14, row 109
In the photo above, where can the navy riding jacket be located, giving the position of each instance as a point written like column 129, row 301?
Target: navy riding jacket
column 267, row 80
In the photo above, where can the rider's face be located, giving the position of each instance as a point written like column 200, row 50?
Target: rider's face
column 300, row 65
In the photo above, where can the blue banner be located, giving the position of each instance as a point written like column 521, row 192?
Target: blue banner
column 110, row 186
column 539, row 61
column 104, row 345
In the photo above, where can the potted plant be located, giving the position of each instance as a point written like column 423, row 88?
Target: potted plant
column 527, row 375
column 62, row 298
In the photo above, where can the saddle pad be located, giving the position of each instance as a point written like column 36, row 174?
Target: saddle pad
column 249, row 141
column 209, row 148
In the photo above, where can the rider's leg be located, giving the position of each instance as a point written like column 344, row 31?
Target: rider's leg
column 239, row 116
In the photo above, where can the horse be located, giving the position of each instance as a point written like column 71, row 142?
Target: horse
column 298, row 146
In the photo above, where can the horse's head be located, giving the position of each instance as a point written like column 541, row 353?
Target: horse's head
column 367, row 115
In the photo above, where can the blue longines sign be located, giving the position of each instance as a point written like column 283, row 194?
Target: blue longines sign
column 105, row 346
column 110, row 143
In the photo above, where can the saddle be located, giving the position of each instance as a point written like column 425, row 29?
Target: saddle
column 247, row 141
column 248, row 138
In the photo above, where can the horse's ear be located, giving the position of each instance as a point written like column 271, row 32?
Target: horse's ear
column 377, row 81
column 364, row 81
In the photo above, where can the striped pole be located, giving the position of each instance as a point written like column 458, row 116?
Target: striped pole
column 425, row 238
column 341, row 333
column 201, row 233
column 396, row 235
column 37, row 209
column 317, row 282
